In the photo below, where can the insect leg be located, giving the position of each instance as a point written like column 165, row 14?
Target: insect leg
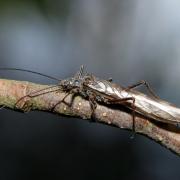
column 34, row 94
column 133, row 116
column 146, row 84
column 178, row 125
column 74, row 91
column 93, row 104
column 124, row 100
column 26, row 107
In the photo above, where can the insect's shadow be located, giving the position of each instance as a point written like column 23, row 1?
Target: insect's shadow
column 162, row 125
column 124, row 108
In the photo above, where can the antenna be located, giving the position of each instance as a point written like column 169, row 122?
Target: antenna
column 29, row 71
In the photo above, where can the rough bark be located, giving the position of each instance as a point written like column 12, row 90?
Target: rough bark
column 11, row 91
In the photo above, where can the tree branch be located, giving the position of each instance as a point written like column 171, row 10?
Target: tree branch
column 11, row 91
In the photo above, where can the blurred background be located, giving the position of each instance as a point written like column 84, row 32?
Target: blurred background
column 128, row 40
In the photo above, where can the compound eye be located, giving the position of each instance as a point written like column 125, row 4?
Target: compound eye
column 76, row 82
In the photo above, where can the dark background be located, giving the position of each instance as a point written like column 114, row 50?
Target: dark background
column 127, row 40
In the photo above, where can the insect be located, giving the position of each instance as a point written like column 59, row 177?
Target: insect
column 107, row 92
column 98, row 90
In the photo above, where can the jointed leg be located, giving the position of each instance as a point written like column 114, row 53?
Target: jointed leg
column 35, row 93
column 133, row 116
column 26, row 107
column 178, row 125
column 75, row 91
column 93, row 104
column 125, row 100
column 146, row 85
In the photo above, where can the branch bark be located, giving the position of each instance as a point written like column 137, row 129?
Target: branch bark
column 11, row 91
